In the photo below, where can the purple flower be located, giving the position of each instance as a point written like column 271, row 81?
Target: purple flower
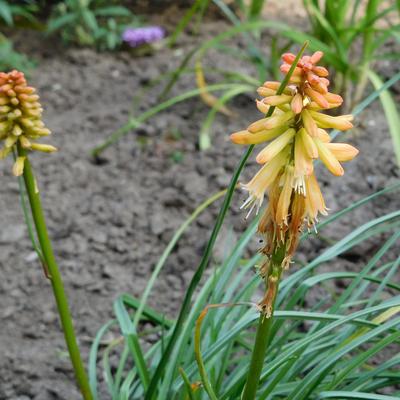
column 138, row 36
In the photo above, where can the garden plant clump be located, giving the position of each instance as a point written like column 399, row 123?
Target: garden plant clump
column 296, row 126
column 180, row 287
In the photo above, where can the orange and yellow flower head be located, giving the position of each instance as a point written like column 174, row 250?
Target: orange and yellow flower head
column 297, row 135
column 20, row 118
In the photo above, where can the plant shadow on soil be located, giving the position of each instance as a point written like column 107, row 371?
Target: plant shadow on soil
column 110, row 221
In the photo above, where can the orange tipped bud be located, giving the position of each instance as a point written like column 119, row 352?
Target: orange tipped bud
column 309, row 123
column 320, row 71
column 324, row 81
column 257, row 125
column 245, row 137
column 264, row 92
column 295, row 79
column 317, row 97
column 309, row 144
column 312, row 78
column 278, row 100
column 275, row 147
column 323, row 136
column 320, row 87
column 262, row 107
column 24, row 89
column 278, row 120
column 316, row 57
column 288, row 58
column 333, row 98
column 329, row 160
column 327, row 121
column 272, row 85
column 342, row 151
column 302, row 162
column 297, row 103
column 286, row 67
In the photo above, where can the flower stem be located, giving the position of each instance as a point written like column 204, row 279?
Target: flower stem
column 263, row 331
column 55, row 277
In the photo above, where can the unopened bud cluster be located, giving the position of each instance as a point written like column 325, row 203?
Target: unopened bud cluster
column 20, row 118
column 298, row 135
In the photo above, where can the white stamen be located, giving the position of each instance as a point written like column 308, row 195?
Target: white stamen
column 250, row 211
column 300, row 185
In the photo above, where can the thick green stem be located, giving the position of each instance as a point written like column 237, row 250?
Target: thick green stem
column 264, row 329
column 55, row 277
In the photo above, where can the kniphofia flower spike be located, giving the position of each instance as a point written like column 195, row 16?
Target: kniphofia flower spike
column 297, row 132
column 20, row 118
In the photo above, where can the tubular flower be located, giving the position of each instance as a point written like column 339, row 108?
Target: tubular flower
column 20, row 118
column 296, row 132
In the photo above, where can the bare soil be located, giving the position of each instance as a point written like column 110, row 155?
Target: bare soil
column 110, row 220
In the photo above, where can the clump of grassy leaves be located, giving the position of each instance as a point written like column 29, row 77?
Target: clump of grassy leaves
column 325, row 352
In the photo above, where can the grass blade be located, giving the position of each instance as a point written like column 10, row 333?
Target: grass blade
column 391, row 112
column 341, row 395
column 93, row 357
column 129, row 332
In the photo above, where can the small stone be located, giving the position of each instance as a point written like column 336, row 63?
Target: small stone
column 99, row 237
column 157, row 223
column 115, row 73
column 56, row 87
column 48, row 317
column 32, row 256
column 108, row 271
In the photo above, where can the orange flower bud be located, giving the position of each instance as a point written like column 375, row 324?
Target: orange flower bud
column 316, row 57
column 278, row 100
column 264, row 92
column 320, row 71
column 272, row 85
column 297, row 103
column 286, row 67
column 288, row 58
column 317, row 97
column 245, row 137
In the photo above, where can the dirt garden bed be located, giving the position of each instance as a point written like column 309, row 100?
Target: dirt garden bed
column 110, row 220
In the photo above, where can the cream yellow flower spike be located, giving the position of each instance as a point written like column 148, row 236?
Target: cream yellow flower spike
column 297, row 136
